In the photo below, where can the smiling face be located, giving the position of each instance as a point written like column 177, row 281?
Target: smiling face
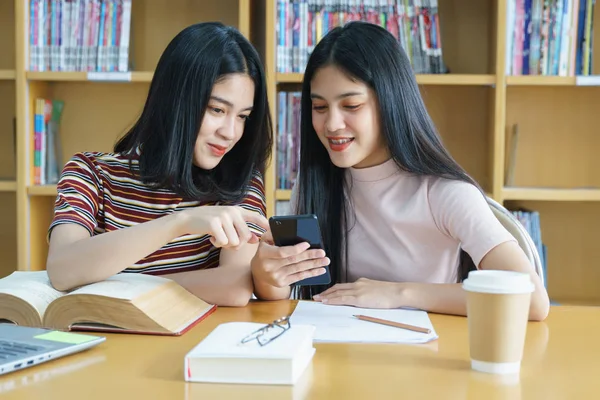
column 346, row 119
column 223, row 124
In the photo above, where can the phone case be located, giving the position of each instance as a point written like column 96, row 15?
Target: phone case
column 293, row 229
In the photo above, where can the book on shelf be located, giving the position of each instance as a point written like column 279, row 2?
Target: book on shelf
column 288, row 138
column 47, row 153
column 123, row 303
column 415, row 24
column 283, row 207
column 530, row 219
column 552, row 38
column 79, row 35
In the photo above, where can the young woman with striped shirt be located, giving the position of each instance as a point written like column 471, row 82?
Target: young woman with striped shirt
column 182, row 194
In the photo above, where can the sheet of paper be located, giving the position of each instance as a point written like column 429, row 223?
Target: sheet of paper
column 338, row 324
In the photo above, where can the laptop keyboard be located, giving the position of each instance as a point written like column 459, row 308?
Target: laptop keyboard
column 9, row 350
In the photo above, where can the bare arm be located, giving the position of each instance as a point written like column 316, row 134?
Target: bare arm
column 264, row 291
column 76, row 259
column 451, row 298
column 438, row 298
column 228, row 285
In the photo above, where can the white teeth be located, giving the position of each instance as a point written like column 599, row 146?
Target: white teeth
column 340, row 141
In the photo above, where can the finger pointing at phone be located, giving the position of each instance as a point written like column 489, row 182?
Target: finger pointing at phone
column 227, row 225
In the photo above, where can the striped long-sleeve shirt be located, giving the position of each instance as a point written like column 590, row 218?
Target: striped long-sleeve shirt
column 101, row 193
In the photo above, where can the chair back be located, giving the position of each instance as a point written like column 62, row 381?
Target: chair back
column 512, row 224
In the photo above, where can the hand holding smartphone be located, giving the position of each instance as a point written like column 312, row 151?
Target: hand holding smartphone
column 290, row 230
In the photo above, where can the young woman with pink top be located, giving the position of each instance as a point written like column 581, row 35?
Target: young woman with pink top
column 402, row 222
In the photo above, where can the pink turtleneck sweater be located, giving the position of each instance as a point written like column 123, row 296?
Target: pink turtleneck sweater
column 407, row 228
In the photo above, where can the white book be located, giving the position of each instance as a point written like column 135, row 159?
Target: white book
column 222, row 358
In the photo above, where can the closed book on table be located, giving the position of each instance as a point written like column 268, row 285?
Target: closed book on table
column 222, row 358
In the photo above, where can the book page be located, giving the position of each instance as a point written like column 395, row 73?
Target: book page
column 338, row 324
column 122, row 286
column 32, row 286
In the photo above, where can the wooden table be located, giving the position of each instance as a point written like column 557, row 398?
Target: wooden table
column 561, row 361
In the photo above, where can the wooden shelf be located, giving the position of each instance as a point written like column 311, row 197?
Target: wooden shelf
column 90, row 76
column 537, row 80
column 283, row 194
column 42, row 190
column 547, row 194
column 8, row 186
column 7, row 74
column 423, row 79
column 456, row 79
column 289, row 77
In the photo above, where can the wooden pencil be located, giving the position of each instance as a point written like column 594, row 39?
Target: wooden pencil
column 393, row 323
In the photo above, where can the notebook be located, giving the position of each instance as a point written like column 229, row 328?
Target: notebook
column 221, row 358
column 338, row 324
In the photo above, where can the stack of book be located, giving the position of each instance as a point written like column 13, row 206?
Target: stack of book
column 288, row 138
column 414, row 23
column 79, row 35
column 47, row 155
column 549, row 37
column 530, row 220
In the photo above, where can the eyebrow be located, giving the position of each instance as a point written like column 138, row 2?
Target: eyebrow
column 228, row 103
column 341, row 96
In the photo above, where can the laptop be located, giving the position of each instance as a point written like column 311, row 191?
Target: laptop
column 22, row 347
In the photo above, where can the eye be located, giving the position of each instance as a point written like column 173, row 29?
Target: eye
column 352, row 107
column 319, row 108
column 217, row 110
column 245, row 118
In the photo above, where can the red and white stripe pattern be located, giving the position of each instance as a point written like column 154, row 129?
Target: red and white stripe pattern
column 100, row 192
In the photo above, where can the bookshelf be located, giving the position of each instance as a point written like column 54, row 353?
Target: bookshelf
column 98, row 107
column 474, row 106
column 8, row 174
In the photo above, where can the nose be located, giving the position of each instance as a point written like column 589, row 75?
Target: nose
column 227, row 130
column 335, row 121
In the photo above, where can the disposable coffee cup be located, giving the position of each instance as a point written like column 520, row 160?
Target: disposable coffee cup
column 497, row 314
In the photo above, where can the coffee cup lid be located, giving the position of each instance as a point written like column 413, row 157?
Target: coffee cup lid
column 500, row 282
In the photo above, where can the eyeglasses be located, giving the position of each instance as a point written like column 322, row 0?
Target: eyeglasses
column 270, row 332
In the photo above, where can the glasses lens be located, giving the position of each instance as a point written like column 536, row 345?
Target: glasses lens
column 270, row 333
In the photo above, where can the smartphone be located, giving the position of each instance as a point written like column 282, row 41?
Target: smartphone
column 289, row 230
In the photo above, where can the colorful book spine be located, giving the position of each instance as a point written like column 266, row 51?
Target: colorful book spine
column 79, row 35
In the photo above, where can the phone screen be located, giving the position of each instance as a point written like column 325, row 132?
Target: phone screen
column 294, row 229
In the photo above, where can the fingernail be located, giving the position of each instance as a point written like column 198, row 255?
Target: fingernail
column 316, row 297
column 324, row 301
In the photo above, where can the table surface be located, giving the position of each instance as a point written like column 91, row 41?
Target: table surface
column 561, row 361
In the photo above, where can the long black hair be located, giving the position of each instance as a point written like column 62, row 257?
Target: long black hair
column 166, row 132
column 372, row 55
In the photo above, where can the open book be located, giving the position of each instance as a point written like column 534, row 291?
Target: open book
column 133, row 303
